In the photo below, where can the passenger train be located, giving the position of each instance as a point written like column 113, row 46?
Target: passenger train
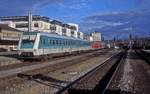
column 35, row 44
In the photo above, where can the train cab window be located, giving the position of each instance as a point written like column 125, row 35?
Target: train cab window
column 27, row 43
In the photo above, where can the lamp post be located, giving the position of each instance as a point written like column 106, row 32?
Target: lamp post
column 130, row 38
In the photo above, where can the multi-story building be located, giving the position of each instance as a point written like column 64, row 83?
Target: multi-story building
column 80, row 35
column 39, row 23
column 74, row 29
column 66, row 30
column 88, row 37
column 8, row 23
column 9, row 37
column 56, row 27
column 97, row 36
column 43, row 24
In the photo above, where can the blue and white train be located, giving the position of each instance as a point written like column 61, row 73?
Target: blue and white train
column 34, row 44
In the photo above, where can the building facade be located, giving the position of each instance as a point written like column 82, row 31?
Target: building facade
column 56, row 27
column 9, row 37
column 96, row 36
column 44, row 24
column 39, row 23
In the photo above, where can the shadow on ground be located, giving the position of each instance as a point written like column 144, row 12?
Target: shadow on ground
column 44, row 80
column 74, row 91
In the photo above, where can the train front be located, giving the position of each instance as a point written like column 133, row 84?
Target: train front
column 28, row 44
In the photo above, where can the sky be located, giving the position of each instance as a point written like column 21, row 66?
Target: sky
column 76, row 11
column 68, row 10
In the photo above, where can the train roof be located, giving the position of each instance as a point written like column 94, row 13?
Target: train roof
column 53, row 35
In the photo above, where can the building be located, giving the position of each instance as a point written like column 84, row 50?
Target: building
column 80, row 35
column 39, row 23
column 88, row 37
column 56, row 27
column 74, row 29
column 9, row 37
column 9, row 23
column 43, row 24
column 96, row 36
column 66, row 30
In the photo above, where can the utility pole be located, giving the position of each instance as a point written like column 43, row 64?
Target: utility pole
column 29, row 21
column 130, row 38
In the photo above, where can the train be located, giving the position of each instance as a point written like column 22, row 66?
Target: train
column 35, row 44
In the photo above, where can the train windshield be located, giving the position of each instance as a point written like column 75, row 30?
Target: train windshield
column 28, row 41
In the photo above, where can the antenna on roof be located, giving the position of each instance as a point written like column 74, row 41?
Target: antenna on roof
column 30, row 22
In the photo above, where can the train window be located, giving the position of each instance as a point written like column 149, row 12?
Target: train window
column 64, row 43
column 68, row 42
column 50, row 41
column 43, row 41
column 60, row 42
column 56, row 42
column 53, row 42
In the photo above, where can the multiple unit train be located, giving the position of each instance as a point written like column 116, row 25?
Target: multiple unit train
column 34, row 44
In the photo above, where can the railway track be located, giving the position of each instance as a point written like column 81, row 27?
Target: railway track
column 132, row 76
column 96, row 80
column 13, row 75
column 24, row 68
column 144, row 55
column 30, row 62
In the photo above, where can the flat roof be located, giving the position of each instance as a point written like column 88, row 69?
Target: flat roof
column 54, row 35
column 24, row 18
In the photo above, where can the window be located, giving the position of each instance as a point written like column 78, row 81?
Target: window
column 64, row 30
column 50, row 41
column 53, row 42
column 23, row 25
column 72, row 32
column 43, row 42
column 57, row 42
column 52, row 27
column 63, row 42
column 36, row 25
column 60, row 42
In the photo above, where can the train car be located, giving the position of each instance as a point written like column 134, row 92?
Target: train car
column 34, row 44
column 96, row 45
